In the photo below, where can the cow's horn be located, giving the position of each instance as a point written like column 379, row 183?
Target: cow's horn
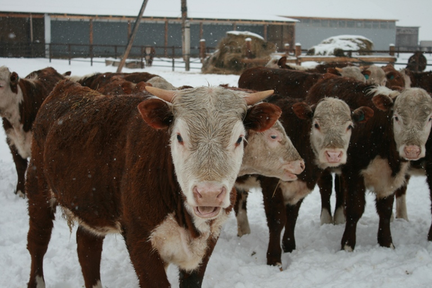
column 166, row 95
column 257, row 96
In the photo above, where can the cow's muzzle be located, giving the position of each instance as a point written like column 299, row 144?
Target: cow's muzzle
column 210, row 198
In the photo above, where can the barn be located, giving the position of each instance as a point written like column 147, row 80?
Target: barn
column 101, row 28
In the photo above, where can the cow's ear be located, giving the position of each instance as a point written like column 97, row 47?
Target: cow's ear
column 282, row 62
column 334, row 71
column 14, row 79
column 156, row 113
column 362, row 114
column 262, row 116
column 382, row 102
column 366, row 74
column 303, row 110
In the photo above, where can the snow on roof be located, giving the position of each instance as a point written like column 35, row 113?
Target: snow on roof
column 246, row 33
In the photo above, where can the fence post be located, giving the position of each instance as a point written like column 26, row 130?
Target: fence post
column 69, row 53
column 392, row 49
column 248, row 43
column 49, row 52
column 202, row 51
column 173, row 55
column 91, row 54
column 298, row 53
column 286, row 48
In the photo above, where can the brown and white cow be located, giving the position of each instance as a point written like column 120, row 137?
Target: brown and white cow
column 20, row 100
column 418, row 79
column 160, row 172
column 291, row 83
column 379, row 154
column 321, row 134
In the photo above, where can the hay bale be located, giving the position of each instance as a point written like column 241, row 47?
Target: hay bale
column 232, row 50
column 335, row 46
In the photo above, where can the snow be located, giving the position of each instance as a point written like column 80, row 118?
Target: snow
column 343, row 42
column 245, row 33
column 236, row 262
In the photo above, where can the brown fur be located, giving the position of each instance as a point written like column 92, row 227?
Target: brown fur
column 95, row 157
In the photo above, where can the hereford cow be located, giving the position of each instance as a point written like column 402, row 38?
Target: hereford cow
column 321, row 134
column 292, row 83
column 418, row 79
column 379, row 153
column 417, row 62
column 97, row 80
column 20, row 100
column 160, row 172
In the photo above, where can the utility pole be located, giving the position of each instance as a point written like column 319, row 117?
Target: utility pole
column 132, row 37
column 185, row 35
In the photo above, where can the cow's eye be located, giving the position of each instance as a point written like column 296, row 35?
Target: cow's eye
column 396, row 118
column 273, row 136
column 179, row 139
column 350, row 127
column 316, row 125
column 239, row 141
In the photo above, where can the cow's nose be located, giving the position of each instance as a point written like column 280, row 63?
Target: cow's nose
column 412, row 152
column 209, row 194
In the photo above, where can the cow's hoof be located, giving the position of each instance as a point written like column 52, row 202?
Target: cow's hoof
column 348, row 248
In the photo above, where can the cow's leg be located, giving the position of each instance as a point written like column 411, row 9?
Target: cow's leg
column 89, row 247
column 429, row 182
column 241, row 212
column 354, row 195
column 339, row 215
column 148, row 265
column 384, row 208
column 276, row 217
column 41, row 211
column 195, row 278
column 401, row 208
column 21, row 167
column 325, row 184
column 288, row 240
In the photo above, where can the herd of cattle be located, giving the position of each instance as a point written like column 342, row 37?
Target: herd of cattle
column 164, row 166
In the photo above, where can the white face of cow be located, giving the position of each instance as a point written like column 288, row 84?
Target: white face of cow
column 207, row 130
column 272, row 154
column 9, row 100
column 412, row 119
column 331, row 132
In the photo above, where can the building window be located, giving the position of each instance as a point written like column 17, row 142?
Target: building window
column 350, row 24
column 359, row 24
column 383, row 25
column 391, row 25
column 367, row 24
column 342, row 23
column 324, row 23
column 333, row 23
column 375, row 24
column 306, row 22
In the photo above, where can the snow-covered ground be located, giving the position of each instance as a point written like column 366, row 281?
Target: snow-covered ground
column 236, row 262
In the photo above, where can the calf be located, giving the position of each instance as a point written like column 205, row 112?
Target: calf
column 379, row 153
column 161, row 175
column 321, row 134
column 417, row 62
column 20, row 100
column 418, row 79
